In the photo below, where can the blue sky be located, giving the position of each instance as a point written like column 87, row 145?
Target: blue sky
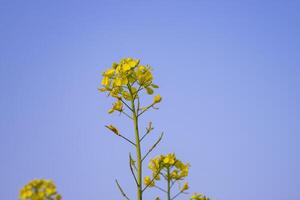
column 229, row 78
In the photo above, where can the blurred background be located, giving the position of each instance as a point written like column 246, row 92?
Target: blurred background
column 228, row 73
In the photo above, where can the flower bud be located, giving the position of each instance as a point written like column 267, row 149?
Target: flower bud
column 113, row 129
column 157, row 99
column 148, row 182
column 185, row 187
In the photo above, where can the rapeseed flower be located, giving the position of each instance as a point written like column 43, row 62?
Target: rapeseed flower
column 39, row 189
column 148, row 181
column 197, row 196
column 123, row 79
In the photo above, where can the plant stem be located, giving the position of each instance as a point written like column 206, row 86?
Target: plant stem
column 169, row 183
column 138, row 151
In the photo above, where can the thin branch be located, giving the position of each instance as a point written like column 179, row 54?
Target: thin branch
column 136, row 93
column 163, row 175
column 172, row 183
column 152, row 180
column 131, row 169
column 127, row 140
column 179, row 193
column 116, row 132
column 143, row 136
column 121, row 190
column 161, row 189
column 148, row 130
column 154, row 145
column 126, row 114
column 147, row 108
column 126, row 104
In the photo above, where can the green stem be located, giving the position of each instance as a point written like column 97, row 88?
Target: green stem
column 138, row 151
column 169, row 183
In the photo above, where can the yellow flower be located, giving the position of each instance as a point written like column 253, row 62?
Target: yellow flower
column 129, row 63
column 197, row 196
column 39, row 189
column 185, row 187
column 25, row 193
column 50, row 190
column 141, row 69
column 109, row 73
column 126, row 95
column 184, row 170
column 113, row 129
column 41, row 194
column 148, row 182
column 154, row 164
column 118, row 106
column 115, row 92
column 174, row 174
column 157, row 99
column 105, row 81
column 114, row 65
column 58, row 197
column 170, row 159
column 144, row 76
column 118, row 82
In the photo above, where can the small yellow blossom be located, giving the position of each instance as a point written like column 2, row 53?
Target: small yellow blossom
column 118, row 106
column 109, row 73
column 126, row 95
column 185, row 187
column 105, row 81
column 170, row 159
column 148, row 182
column 197, row 196
column 174, row 174
column 157, row 99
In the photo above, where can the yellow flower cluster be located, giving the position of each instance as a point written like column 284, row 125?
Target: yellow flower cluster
column 197, row 196
column 125, row 79
column 39, row 189
column 170, row 168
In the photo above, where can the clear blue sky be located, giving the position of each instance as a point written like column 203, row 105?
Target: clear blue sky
column 229, row 75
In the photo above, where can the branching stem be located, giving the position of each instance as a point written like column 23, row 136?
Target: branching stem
column 154, row 145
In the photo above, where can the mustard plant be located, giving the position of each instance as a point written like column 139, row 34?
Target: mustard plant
column 126, row 82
